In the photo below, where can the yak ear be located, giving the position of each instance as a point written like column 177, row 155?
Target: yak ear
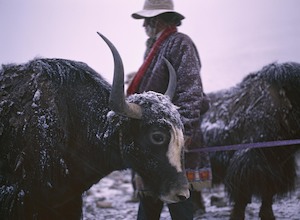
column 117, row 97
column 172, row 80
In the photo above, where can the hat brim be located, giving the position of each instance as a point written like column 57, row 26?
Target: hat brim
column 152, row 13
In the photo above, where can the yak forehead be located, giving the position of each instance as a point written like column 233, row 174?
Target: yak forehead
column 157, row 108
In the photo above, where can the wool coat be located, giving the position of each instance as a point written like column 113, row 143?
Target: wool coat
column 189, row 97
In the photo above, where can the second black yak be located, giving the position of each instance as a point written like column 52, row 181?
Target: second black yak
column 265, row 106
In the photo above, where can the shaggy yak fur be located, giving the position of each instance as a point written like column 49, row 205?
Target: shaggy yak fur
column 265, row 106
column 58, row 137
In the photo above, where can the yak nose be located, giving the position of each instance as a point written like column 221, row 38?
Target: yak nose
column 181, row 198
column 177, row 195
column 183, row 195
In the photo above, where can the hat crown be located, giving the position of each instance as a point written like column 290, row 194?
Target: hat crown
column 154, row 8
column 158, row 4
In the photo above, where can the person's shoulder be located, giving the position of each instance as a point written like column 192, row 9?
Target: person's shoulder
column 183, row 37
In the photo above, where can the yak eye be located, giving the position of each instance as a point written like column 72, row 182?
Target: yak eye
column 158, row 137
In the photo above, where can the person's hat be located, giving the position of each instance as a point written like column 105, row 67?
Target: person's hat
column 153, row 8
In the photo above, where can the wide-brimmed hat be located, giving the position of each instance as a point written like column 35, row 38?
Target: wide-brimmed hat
column 153, row 8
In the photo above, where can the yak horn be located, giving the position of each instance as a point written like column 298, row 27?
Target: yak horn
column 172, row 80
column 117, row 97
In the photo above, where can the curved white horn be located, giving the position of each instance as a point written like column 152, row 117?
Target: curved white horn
column 172, row 80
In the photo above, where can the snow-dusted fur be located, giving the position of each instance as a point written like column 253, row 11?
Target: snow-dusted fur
column 58, row 137
column 265, row 106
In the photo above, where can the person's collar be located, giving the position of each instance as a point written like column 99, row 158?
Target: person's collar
column 163, row 30
column 159, row 33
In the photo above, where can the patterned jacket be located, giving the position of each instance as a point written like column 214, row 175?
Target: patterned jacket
column 179, row 49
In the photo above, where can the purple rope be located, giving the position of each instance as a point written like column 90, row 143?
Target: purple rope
column 246, row 146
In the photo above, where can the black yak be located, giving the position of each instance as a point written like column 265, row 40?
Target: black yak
column 63, row 128
column 265, row 106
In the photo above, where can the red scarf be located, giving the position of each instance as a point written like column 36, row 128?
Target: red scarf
column 134, row 85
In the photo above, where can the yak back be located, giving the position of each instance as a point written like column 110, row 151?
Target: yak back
column 268, row 98
column 52, row 126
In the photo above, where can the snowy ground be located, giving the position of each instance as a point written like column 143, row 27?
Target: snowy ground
column 110, row 199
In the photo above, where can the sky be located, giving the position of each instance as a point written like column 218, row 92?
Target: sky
column 234, row 37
